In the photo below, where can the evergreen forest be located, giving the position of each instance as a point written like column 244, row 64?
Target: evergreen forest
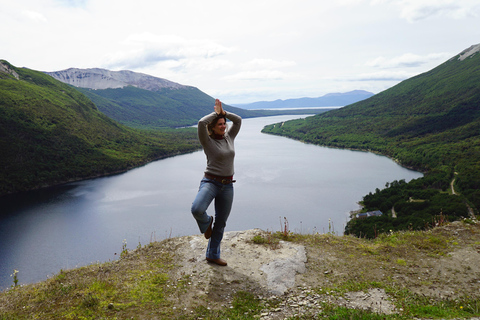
column 430, row 123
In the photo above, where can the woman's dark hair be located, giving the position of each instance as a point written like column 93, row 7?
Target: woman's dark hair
column 214, row 123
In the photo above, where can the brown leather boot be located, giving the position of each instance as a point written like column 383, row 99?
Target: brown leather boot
column 220, row 262
column 208, row 233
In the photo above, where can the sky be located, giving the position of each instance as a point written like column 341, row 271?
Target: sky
column 243, row 51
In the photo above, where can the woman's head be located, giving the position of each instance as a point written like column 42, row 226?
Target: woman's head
column 218, row 126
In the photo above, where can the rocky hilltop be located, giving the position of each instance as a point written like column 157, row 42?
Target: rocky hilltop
column 271, row 276
column 96, row 78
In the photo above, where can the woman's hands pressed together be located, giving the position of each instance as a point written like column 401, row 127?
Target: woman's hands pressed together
column 218, row 107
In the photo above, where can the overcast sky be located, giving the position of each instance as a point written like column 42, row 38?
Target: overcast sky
column 243, row 51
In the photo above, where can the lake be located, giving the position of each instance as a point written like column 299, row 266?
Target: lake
column 314, row 188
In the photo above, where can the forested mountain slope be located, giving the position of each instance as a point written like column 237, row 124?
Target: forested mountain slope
column 141, row 108
column 430, row 122
column 51, row 133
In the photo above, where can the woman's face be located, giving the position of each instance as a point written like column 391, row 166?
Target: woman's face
column 220, row 127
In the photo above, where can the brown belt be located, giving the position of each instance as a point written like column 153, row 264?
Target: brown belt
column 222, row 180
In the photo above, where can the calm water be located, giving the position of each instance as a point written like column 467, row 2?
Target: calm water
column 314, row 187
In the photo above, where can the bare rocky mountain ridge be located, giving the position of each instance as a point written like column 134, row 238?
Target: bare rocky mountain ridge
column 96, row 78
column 469, row 52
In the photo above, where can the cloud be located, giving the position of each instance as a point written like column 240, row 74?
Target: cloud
column 268, row 64
column 195, row 67
column 382, row 76
column 73, row 3
column 147, row 49
column 408, row 60
column 417, row 10
column 260, row 75
column 262, row 70
column 209, row 64
column 34, row 16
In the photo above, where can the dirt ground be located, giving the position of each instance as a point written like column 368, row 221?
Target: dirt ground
column 298, row 276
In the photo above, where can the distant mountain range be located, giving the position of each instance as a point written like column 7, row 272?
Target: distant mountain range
column 143, row 101
column 328, row 100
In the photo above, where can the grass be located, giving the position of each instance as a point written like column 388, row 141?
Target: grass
column 393, row 262
column 147, row 283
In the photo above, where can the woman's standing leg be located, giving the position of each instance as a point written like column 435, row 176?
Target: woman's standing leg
column 223, row 206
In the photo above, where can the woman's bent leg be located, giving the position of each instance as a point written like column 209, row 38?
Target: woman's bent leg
column 223, row 206
column 206, row 193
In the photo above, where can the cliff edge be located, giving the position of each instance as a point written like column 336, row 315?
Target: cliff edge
column 402, row 275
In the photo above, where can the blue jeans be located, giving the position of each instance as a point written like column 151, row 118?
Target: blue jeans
column 223, row 195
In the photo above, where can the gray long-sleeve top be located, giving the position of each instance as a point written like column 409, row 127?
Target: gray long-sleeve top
column 220, row 152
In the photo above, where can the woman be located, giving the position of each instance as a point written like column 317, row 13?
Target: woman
column 218, row 180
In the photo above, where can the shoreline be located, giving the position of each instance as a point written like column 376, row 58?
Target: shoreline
column 100, row 175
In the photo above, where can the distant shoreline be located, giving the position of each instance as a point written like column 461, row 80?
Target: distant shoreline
column 299, row 108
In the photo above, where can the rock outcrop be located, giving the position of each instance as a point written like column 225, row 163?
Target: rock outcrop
column 96, row 78
column 469, row 52
column 4, row 67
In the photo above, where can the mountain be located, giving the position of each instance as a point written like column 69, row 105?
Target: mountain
column 100, row 79
column 143, row 101
column 139, row 100
column 328, row 100
column 430, row 122
column 51, row 133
